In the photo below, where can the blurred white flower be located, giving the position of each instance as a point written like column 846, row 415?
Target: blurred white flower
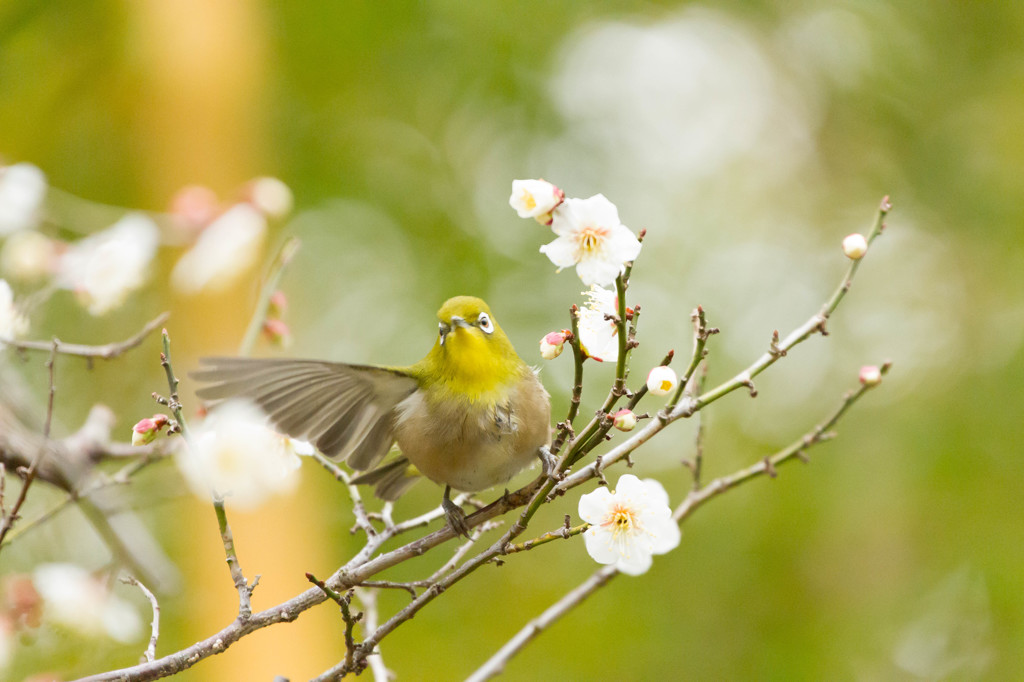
column 12, row 322
column 28, row 255
column 8, row 640
column 629, row 525
column 591, row 237
column 104, row 268
column 238, row 456
column 535, row 199
column 228, row 247
column 270, row 196
column 661, row 380
column 599, row 337
column 22, row 190
column 74, row 598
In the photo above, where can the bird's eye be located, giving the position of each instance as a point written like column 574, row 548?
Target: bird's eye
column 485, row 324
column 442, row 330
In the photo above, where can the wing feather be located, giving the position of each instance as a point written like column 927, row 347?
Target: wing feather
column 347, row 410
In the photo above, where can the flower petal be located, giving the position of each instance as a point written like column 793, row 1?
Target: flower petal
column 593, row 506
column 599, row 271
column 664, row 535
column 563, row 252
column 597, row 210
column 636, row 563
column 598, row 543
column 624, row 244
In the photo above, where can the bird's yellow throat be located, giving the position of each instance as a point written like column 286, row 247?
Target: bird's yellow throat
column 472, row 367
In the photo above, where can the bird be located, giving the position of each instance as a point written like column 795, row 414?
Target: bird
column 470, row 415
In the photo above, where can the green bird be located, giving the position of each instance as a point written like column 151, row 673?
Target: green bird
column 469, row 415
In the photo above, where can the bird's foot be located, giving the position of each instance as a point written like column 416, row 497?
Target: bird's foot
column 548, row 463
column 454, row 515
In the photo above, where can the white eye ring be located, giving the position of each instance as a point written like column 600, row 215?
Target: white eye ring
column 485, row 324
column 442, row 330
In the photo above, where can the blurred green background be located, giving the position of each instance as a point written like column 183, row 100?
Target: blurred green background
column 748, row 138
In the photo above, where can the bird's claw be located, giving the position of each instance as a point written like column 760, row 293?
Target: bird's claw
column 455, row 517
column 549, row 464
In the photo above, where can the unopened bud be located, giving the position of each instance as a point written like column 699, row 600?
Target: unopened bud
column 661, row 380
column 855, row 246
column 551, row 345
column 146, row 430
column 270, row 196
column 870, row 375
column 195, row 205
column 535, row 199
column 277, row 332
column 625, row 420
column 278, row 303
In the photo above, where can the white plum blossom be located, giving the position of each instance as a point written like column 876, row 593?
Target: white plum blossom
column 661, row 380
column 12, row 322
column 591, row 237
column 599, row 337
column 76, row 599
column 629, row 525
column 28, row 255
column 535, row 199
column 22, row 190
column 224, row 251
column 238, row 456
column 105, row 267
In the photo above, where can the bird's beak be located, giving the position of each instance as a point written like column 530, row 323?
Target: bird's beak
column 459, row 322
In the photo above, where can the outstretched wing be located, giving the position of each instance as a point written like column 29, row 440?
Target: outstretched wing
column 346, row 410
column 391, row 480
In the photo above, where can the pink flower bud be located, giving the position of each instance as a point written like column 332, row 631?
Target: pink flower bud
column 551, row 345
column 870, row 375
column 146, row 430
column 278, row 303
column 855, row 246
column 277, row 332
column 661, row 380
column 195, row 205
column 625, row 420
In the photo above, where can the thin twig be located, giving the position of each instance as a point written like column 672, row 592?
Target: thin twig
column 373, row 659
column 105, row 352
column 496, row 663
column 563, row 533
column 259, row 315
column 11, row 516
column 173, row 402
column 154, row 627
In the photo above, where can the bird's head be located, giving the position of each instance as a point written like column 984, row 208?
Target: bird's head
column 472, row 352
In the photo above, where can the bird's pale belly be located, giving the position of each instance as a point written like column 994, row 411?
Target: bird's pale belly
column 476, row 446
